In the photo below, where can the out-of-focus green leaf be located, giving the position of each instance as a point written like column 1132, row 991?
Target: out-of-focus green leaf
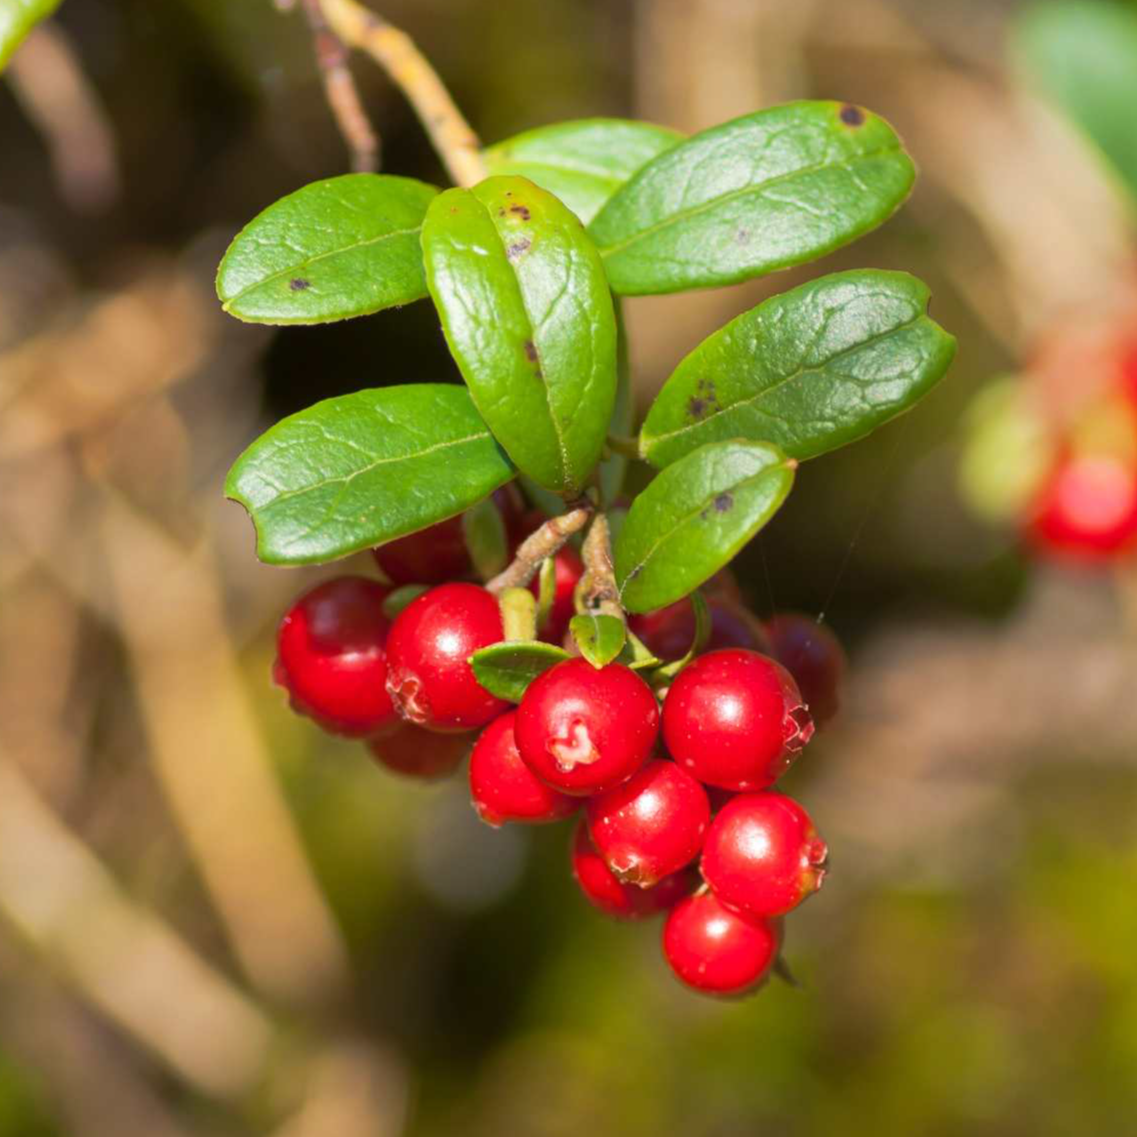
column 484, row 530
column 17, row 18
column 506, row 669
column 766, row 191
column 810, row 370
column 334, row 249
column 614, row 468
column 600, row 638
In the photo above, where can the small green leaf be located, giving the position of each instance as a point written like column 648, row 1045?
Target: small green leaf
column 694, row 517
column 600, row 638
column 528, row 316
column 364, row 469
column 764, row 192
column 582, row 162
column 636, row 654
column 702, row 613
column 518, row 614
column 334, row 249
column 810, row 370
column 484, row 530
column 394, row 602
column 546, row 591
column 506, row 669
column 17, row 18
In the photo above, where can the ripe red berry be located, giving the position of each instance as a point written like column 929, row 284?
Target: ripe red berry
column 812, row 654
column 584, row 729
column 419, row 753
column 717, row 952
column 429, row 676
column 503, row 788
column 762, row 855
column 668, row 632
column 735, row 719
column 331, row 656
column 650, row 826
column 605, row 891
column 430, row 556
column 568, row 569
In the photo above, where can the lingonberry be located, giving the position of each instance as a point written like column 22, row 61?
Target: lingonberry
column 568, row 568
column 762, row 855
column 650, row 826
column 812, row 654
column 735, row 719
column 584, row 729
column 419, row 753
column 603, row 890
column 430, row 556
column 331, row 656
column 668, row 632
column 503, row 788
column 429, row 676
column 716, row 951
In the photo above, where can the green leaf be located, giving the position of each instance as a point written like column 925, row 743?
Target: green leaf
column 694, row 517
column 614, row 468
column 764, row 192
column 1083, row 57
column 582, row 162
column 810, row 370
column 398, row 599
column 506, row 669
column 363, row 469
column 17, row 18
column 529, row 319
column 600, row 638
column 338, row 248
column 484, row 530
column 546, row 591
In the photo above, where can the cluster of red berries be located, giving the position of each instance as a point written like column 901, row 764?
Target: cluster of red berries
column 588, row 739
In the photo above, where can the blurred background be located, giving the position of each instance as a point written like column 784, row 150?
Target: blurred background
column 216, row 920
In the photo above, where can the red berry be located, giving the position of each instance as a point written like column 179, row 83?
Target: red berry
column 430, row 556
column 651, row 825
column 568, row 569
column 1087, row 509
column 735, row 719
column 429, row 676
column 503, row 788
column 812, row 654
column 419, row 753
column 716, row 951
column 668, row 632
column 762, row 856
column 605, row 891
column 584, row 729
column 331, row 657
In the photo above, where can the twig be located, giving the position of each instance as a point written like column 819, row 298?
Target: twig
column 396, row 53
column 598, row 585
column 341, row 93
column 540, row 544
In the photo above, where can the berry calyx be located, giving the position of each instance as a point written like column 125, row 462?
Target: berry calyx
column 735, row 719
column 429, row 677
column 605, row 891
column 668, row 632
column 717, row 952
column 418, row 753
column 762, row 855
column 812, row 654
column 430, row 556
column 503, row 788
column 583, row 729
column 567, row 571
column 650, row 826
column 331, row 657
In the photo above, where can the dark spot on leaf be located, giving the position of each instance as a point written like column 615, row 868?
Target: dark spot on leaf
column 704, row 401
column 634, row 573
column 298, row 285
column 517, row 248
column 724, row 502
column 522, row 211
column 501, row 211
column 852, row 116
column 742, row 236
column 533, row 357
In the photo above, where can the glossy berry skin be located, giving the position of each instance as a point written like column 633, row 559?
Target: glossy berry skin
column 603, row 890
column 503, row 788
column 418, row 753
column 735, row 719
column 650, row 826
column 1087, row 510
column 715, row 951
column 812, row 654
column 763, row 856
column 332, row 660
column 583, row 729
column 430, row 556
column 669, row 632
column 568, row 568
column 429, row 676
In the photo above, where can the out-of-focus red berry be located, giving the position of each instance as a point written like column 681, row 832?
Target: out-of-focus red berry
column 430, row 556
column 812, row 654
column 418, row 753
column 668, row 632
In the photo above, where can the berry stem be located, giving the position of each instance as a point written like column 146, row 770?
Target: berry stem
column 628, row 447
column 451, row 135
column 598, row 589
column 542, row 543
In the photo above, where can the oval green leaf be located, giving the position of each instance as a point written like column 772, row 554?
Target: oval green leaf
column 363, row 469
column 694, row 517
column 17, row 18
column 528, row 316
column 582, row 162
column 763, row 192
column 337, row 248
column 600, row 638
column 810, row 370
column 506, row 669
